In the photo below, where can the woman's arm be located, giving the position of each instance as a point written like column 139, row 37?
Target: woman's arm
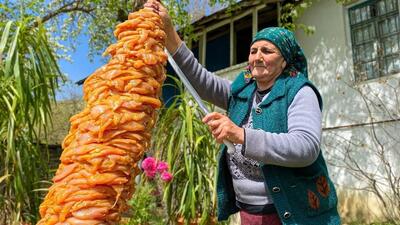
column 210, row 87
column 297, row 148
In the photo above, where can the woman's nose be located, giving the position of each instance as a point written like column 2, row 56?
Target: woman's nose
column 259, row 57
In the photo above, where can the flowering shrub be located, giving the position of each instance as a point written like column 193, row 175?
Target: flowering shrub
column 166, row 176
column 162, row 167
column 147, row 199
column 152, row 167
column 149, row 166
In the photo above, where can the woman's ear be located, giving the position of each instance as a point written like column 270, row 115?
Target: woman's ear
column 283, row 64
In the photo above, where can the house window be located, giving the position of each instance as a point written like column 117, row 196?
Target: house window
column 268, row 17
column 195, row 49
column 243, row 37
column 217, row 49
column 375, row 36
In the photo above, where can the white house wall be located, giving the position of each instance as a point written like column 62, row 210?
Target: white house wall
column 329, row 57
column 330, row 67
column 346, row 114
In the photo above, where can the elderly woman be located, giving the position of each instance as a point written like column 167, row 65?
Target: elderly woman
column 277, row 174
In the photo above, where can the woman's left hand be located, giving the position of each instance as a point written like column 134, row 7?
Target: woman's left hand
column 223, row 128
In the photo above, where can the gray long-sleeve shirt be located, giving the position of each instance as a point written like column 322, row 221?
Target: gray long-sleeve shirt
column 297, row 148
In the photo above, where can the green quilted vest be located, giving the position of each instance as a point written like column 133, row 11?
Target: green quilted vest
column 302, row 196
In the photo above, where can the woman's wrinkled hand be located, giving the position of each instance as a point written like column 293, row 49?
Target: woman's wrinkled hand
column 223, row 128
column 173, row 40
column 158, row 8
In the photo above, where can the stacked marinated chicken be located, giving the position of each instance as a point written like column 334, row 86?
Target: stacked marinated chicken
column 99, row 161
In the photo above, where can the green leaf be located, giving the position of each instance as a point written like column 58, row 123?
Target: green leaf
column 12, row 51
column 4, row 177
column 4, row 37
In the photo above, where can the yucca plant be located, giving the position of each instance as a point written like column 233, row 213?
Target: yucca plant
column 186, row 144
column 28, row 79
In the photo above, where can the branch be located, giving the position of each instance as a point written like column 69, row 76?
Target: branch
column 381, row 152
column 69, row 7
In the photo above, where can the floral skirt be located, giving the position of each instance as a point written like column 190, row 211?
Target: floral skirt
column 250, row 219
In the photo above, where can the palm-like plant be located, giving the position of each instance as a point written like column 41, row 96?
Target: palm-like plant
column 28, row 79
column 185, row 142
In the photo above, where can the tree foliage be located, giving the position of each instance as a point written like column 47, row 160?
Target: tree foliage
column 66, row 20
column 291, row 12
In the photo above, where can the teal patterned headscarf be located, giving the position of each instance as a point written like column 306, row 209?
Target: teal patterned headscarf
column 285, row 41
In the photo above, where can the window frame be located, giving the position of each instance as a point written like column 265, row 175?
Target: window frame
column 380, row 58
column 201, row 34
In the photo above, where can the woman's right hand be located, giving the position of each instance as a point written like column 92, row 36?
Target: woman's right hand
column 173, row 40
column 222, row 128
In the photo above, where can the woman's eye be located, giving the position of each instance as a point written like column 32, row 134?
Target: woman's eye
column 263, row 50
column 266, row 51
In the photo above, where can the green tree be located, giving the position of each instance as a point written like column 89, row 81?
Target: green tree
column 65, row 20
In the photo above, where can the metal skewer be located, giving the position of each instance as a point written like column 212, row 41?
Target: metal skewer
column 195, row 95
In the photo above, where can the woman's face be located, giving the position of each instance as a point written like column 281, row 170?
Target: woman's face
column 266, row 63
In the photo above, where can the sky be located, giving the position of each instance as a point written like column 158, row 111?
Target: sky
column 79, row 68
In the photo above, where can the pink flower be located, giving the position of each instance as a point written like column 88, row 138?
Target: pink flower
column 150, row 173
column 166, row 176
column 162, row 166
column 149, row 166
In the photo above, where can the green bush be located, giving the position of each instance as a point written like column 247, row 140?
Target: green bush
column 146, row 204
column 186, row 144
